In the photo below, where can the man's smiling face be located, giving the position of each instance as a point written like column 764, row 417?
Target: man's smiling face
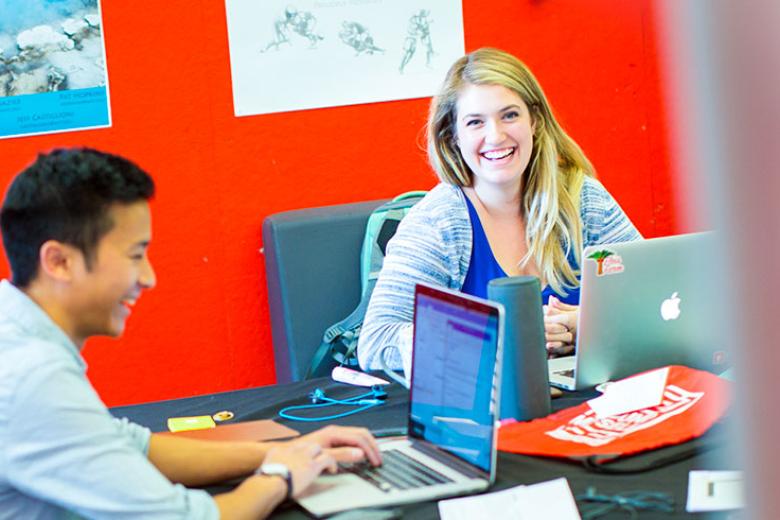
column 104, row 293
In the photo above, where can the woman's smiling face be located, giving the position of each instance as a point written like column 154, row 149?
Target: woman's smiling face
column 494, row 133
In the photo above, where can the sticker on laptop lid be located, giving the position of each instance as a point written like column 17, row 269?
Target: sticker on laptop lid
column 607, row 262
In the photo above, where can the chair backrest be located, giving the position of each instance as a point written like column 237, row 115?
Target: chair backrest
column 312, row 266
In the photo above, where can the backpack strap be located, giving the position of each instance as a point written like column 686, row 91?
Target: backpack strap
column 410, row 195
column 379, row 247
column 340, row 340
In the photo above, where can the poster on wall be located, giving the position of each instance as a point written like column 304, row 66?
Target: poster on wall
column 52, row 67
column 300, row 54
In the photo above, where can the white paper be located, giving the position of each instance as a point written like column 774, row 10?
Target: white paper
column 634, row 393
column 300, row 54
column 497, row 505
column 552, row 499
column 715, row 491
column 353, row 377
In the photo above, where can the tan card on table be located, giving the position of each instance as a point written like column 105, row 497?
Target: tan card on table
column 262, row 430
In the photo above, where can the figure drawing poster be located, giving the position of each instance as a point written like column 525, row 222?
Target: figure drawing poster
column 300, row 54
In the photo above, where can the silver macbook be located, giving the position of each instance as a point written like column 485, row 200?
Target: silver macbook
column 453, row 413
column 643, row 305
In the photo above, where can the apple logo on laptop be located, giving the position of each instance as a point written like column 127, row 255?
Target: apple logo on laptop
column 670, row 308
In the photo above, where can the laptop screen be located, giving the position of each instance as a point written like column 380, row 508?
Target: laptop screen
column 452, row 404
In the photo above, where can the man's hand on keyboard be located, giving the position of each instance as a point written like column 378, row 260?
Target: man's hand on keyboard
column 304, row 460
column 309, row 455
column 346, row 444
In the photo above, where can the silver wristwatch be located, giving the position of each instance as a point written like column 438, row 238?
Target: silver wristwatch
column 274, row 469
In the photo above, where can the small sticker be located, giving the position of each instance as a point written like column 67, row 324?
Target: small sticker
column 607, row 262
column 224, row 415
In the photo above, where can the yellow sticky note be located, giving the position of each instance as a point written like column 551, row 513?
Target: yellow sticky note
column 183, row 424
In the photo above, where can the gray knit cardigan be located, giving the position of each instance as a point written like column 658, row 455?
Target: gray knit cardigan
column 433, row 245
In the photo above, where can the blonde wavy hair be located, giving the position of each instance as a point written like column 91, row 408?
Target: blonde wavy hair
column 550, row 201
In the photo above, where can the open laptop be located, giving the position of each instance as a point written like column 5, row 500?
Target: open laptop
column 643, row 305
column 453, row 412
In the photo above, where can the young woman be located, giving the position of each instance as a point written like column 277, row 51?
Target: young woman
column 517, row 197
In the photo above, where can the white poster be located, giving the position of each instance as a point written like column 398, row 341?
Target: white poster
column 300, row 54
column 52, row 67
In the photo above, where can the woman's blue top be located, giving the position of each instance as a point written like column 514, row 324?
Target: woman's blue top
column 484, row 267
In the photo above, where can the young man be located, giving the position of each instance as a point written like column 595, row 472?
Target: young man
column 76, row 228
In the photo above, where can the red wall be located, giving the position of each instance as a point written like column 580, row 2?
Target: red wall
column 205, row 327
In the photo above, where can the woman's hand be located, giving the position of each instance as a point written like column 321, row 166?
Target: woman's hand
column 560, row 327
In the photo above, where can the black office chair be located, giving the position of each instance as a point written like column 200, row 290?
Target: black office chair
column 312, row 266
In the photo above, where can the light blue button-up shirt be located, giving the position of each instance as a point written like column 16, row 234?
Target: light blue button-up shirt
column 61, row 451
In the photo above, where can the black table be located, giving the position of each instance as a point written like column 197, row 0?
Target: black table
column 265, row 402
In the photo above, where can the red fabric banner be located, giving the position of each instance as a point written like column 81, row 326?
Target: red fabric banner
column 693, row 401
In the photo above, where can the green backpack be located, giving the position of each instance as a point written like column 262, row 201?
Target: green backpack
column 339, row 343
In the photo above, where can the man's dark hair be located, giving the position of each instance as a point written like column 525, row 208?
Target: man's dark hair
column 65, row 195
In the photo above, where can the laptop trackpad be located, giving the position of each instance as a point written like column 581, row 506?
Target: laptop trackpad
column 343, row 488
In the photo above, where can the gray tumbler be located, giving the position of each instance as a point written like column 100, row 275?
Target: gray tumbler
column 525, row 392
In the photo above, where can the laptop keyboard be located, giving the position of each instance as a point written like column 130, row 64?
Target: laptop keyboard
column 565, row 373
column 398, row 472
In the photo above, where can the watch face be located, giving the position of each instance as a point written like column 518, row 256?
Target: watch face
column 274, row 469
